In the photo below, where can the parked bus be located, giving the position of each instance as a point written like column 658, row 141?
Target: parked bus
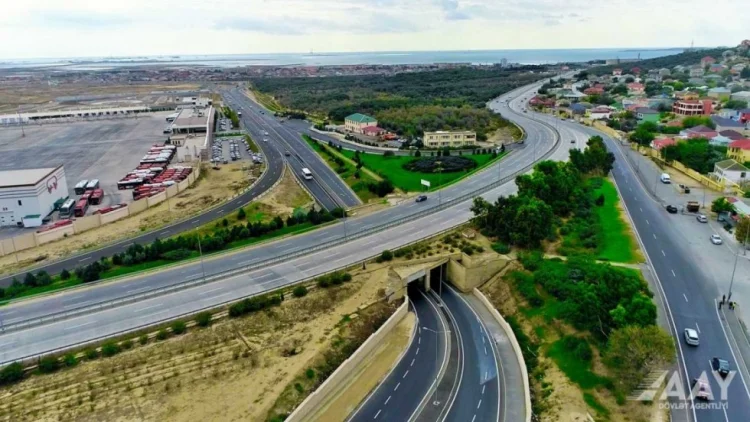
column 306, row 173
column 92, row 184
column 81, row 207
column 67, row 208
column 81, row 187
column 129, row 183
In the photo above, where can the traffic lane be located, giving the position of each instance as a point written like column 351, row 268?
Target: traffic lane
column 398, row 396
column 109, row 291
column 477, row 398
column 267, row 180
column 689, row 295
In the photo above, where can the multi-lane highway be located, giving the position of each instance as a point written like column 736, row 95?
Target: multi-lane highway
column 327, row 188
column 62, row 333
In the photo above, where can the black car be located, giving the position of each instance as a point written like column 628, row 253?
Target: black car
column 721, row 366
column 421, row 198
column 671, row 209
column 287, row 153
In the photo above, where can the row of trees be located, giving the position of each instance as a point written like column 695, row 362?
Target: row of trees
column 554, row 189
column 232, row 115
column 412, row 122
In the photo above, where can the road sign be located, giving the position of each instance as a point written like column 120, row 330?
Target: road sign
column 426, row 183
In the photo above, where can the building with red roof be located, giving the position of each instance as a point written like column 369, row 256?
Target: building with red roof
column 739, row 150
column 658, row 144
column 636, row 88
column 708, row 60
column 373, row 130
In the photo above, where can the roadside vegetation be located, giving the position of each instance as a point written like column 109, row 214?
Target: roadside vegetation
column 407, row 103
column 350, row 172
column 231, row 115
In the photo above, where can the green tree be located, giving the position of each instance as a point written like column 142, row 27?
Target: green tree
column 110, row 348
column 178, row 327
column 642, row 136
column 64, row 274
column 29, row 280
column 619, row 89
column 299, row 291
column 203, row 319
column 635, row 351
column 649, row 126
column 43, row 279
column 736, row 104
column 49, row 364
column 720, row 205
column 745, row 73
column 11, row 373
column 742, row 231
column 241, row 214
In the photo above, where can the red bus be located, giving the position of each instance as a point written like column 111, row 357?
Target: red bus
column 81, row 207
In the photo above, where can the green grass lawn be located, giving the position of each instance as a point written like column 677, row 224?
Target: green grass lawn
column 408, row 181
column 577, row 370
column 618, row 245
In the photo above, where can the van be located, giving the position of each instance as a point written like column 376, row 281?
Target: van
column 665, row 178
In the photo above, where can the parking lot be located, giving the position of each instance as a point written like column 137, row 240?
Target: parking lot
column 228, row 149
column 103, row 149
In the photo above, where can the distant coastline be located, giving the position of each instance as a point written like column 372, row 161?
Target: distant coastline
column 539, row 56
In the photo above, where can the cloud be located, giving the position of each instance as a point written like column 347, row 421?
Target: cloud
column 279, row 26
column 452, row 10
column 81, row 20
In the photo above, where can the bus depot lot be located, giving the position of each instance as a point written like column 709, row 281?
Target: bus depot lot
column 100, row 149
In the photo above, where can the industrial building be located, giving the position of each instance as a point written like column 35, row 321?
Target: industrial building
column 451, row 139
column 29, row 195
column 191, row 131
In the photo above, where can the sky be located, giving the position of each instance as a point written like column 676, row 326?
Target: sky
column 91, row 28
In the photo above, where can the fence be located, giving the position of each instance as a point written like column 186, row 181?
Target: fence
column 83, row 224
column 704, row 180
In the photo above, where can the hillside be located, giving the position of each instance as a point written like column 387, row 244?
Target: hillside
column 686, row 59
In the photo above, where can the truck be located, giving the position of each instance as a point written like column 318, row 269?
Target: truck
column 693, row 206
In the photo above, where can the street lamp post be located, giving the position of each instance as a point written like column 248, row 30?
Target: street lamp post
column 200, row 253
column 437, row 372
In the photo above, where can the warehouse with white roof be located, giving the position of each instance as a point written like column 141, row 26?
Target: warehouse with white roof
column 29, row 195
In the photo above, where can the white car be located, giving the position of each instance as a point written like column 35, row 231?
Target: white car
column 691, row 337
column 716, row 239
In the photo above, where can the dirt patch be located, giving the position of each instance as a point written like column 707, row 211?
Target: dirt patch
column 212, row 188
column 232, row 371
column 286, row 196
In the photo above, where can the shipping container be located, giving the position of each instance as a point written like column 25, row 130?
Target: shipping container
column 81, row 207
column 81, row 187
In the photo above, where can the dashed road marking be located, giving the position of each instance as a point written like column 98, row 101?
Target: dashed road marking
column 405, row 374
column 396, row 387
column 683, row 295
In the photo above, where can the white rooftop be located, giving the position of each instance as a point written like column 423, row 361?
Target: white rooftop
column 25, row 177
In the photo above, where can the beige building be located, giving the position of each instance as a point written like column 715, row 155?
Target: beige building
column 358, row 122
column 453, row 138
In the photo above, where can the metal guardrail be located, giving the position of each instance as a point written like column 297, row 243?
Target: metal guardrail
column 32, row 322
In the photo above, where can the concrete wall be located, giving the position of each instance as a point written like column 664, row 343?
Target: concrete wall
column 55, row 234
column 138, row 206
column 472, row 271
column 172, row 191
column 86, row 223
column 306, row 410
column 704, row 180
column 156, row 199
column 114, row 215
column 516, row 349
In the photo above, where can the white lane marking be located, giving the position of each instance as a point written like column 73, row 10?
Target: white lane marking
column 640, row 209
column 673, row 274
column 164, row 232
column 212, row 290
column 648, row 222
column 485, row 350
column 405, row 374
column 483, row 387
column 377, row 414
column 192, row 276
column 697, row 327
column 654, row 235
column 84, row 259
column 683, row 295
column 419, row 340
column 662, row 252
column 473, row 417
column 417, row 352
column 195, row 222
column 139, row 290
column 7, row 344
column 80, row 325
column 148, row 307
column 396, row 387
column 479, row 404
column 412, row 362
column 387, row 400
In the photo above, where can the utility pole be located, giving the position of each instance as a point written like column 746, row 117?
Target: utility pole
column 20, row 122
column 200, row 252
column 437, row 337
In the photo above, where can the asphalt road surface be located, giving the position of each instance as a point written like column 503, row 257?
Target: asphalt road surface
column 275, row 163
column 62, row 333
column 327, row 187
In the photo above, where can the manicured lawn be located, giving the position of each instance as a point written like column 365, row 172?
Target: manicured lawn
column 617, row 245
column 577, row 370
column 392, row 168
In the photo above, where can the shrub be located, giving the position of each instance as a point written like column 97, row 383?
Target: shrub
column 163, row 334
column 143, row 339
column 300, row 389
column 49, row 364
column 64, row 274
column 323, row 282
column 241, row 214
column 599, row 201
column 501, row 248
column 203, row 319
column 527, row 288
column 176, row 255
column 70, row 360
column 127, row 344
column 110, row 348
column 346, row 277
column 299, row 291
column 91, row 354
column 310, row 373
column 386, row 255
column 178, row 327
column 11, row 373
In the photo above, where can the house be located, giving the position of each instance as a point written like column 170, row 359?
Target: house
column 741, row 96
column 453, row 138
column 357, row 122
column 635, row 88
column 732, row 134
column 645, row 114
column 658, row 144
column 599, row 113
column 739, row 150
column 697, row 72
column 686, row 95
column 708, row 60
column 729, row 113
column 716, row 68
column 720, row 93
column 616, row 72
column 725, row 137
column 577, row 109
column 742, row 209
column 744, row 115
column 542, row 102
column 664, row 72
column 593, row 91
column 698, row 132
column 635, row 71
column 730, row 170
column 373, row 131
column 727, row 124
column 692, row 107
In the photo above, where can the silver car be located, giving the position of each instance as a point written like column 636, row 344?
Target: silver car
column 691, row 337
column 702, row 218
column 716, row 239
